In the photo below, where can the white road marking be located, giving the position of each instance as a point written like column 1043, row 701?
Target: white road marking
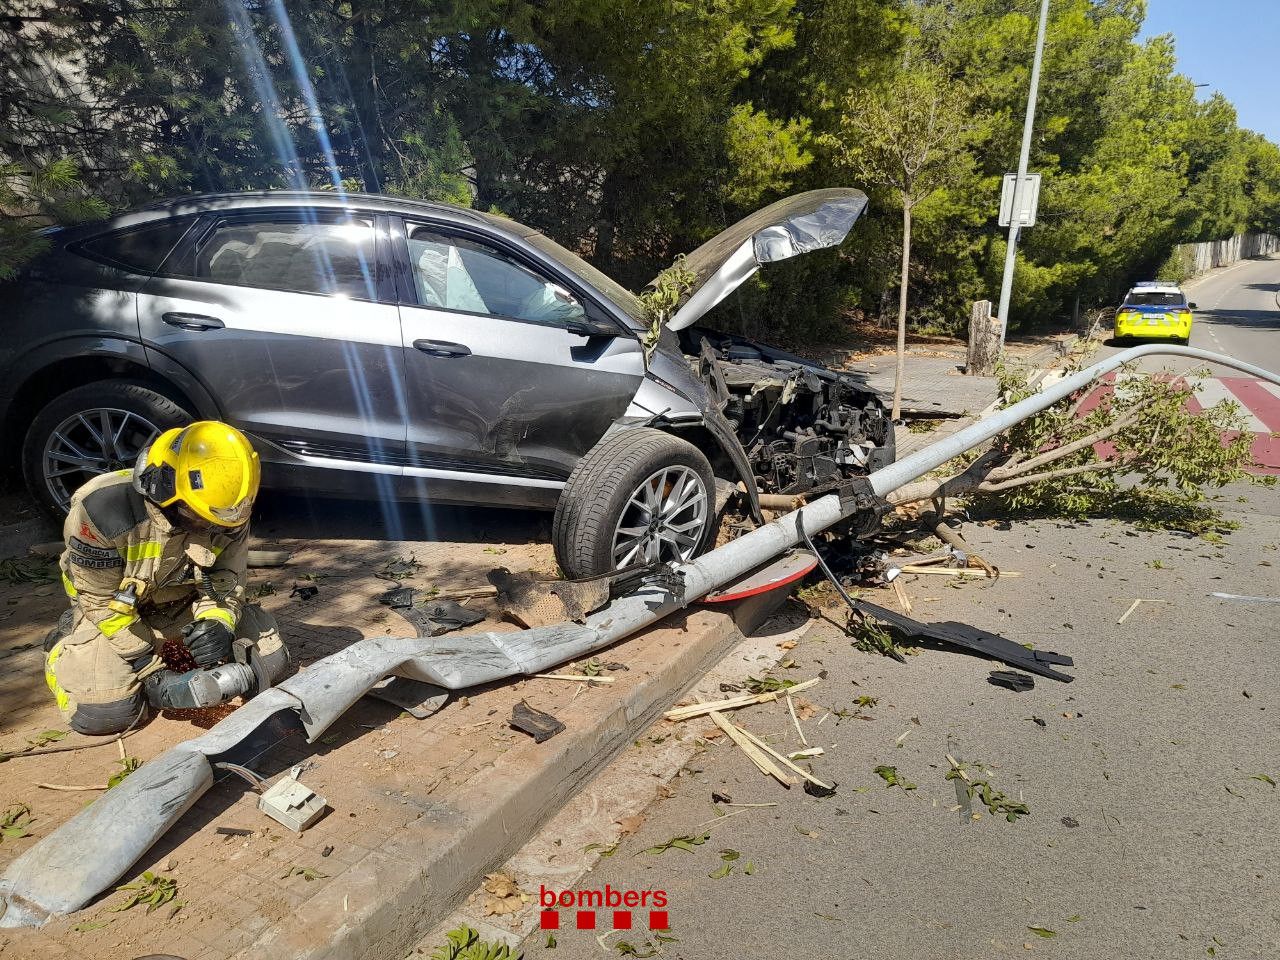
column 1271, row 388
column 1211, row 392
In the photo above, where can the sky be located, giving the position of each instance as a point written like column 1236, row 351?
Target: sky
column 1231, row 45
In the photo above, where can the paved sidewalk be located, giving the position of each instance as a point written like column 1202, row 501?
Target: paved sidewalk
column 420, row 809
column 934, row 381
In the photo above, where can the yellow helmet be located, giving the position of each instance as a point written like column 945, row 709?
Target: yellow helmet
column 207, row 466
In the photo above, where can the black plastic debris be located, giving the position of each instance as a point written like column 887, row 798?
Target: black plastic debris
column 537, row 724
column 304, row 593
column 813, row 790
column 397, row 598
column 1017, row 682
column 446, row 615
column 972, row 638
column 433, row 618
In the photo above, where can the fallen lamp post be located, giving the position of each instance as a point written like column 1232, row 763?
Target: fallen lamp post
column 66, row 869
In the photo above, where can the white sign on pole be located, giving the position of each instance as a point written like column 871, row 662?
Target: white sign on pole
column 1030, row 200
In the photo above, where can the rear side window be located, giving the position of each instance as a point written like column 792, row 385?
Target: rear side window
column 138, row 249
column 334, row 258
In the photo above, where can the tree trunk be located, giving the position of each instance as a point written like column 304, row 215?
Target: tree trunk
column 984, row 341
column 896, row 412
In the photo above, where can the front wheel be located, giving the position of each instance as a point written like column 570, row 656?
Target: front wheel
column 92, row 430
column 639, row 496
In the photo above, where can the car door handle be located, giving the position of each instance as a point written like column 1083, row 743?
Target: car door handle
column 442, row 348
column 193, row 321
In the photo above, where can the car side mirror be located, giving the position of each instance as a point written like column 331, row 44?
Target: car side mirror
column 583, row 327
column 1193, row 306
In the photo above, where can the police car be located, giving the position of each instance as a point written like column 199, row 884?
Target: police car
column 1155, row 310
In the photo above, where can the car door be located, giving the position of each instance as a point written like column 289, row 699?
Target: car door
column 277, row 312
column 508, row 370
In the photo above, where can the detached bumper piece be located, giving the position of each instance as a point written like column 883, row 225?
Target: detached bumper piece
column 971, row 638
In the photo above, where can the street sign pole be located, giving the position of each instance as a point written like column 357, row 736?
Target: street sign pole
column 1011, row 254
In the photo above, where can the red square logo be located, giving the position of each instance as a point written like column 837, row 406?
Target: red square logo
column 658, row 920
column 586, row 919
column 622, row 919
column 549, row 920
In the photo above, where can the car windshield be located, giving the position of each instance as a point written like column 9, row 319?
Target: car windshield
column 1151, row 298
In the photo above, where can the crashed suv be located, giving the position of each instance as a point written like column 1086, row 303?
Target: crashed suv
column 375, row 346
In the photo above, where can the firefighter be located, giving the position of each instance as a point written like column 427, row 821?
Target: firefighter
column 154, row 554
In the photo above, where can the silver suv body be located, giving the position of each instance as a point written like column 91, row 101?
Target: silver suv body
column 378, row 346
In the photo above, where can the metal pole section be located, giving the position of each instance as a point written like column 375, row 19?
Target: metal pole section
column 1011, row 254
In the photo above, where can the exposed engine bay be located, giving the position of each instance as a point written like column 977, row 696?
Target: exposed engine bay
column 804, row 428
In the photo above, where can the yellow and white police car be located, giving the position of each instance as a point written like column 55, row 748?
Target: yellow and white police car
column 1154, row 310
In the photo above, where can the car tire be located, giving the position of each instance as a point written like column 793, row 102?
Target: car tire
column 136, row 413
column 608, row 485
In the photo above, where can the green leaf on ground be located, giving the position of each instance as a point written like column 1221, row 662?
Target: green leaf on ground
column 127, row 766
column 723, row 871
column 551, row 941
column 891, row 778
column 150, row 888
column 1043, row 932
column 47, row 737
column 605, row 851
column 728, row 855
column 465, row 944
column 1264, row 778
column 15, row 822
column 750, row 868
column 766, row 684
column 86, row 925
column 685, row 843
column 865, row 701
column 626, row 949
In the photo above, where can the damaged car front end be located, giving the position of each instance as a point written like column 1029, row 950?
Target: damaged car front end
column 767, row 422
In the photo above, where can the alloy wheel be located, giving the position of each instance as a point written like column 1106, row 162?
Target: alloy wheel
column 90, row 443
column 663, row 519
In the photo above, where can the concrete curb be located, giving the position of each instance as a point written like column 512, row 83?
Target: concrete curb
column 397, row 893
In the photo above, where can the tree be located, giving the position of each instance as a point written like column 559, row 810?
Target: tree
column 909, row 136
column 1136, row 451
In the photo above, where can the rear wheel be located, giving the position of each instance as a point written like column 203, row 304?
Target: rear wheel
column 640, row 496
column 89, row 431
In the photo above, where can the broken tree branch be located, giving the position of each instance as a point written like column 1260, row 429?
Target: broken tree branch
column 746, row 700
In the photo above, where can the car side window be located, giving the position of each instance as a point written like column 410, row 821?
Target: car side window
column 457, row 273
column 334, row 258
column 138, row 249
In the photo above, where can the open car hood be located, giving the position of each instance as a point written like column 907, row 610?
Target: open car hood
column 800, row 224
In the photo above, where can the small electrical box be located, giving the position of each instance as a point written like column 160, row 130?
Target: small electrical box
column 292, row 803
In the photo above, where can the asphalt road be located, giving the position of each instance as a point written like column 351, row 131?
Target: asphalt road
column 1237, row 314
column 1152, row 832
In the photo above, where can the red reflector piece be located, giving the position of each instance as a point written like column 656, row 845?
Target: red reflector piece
column 775, row 575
